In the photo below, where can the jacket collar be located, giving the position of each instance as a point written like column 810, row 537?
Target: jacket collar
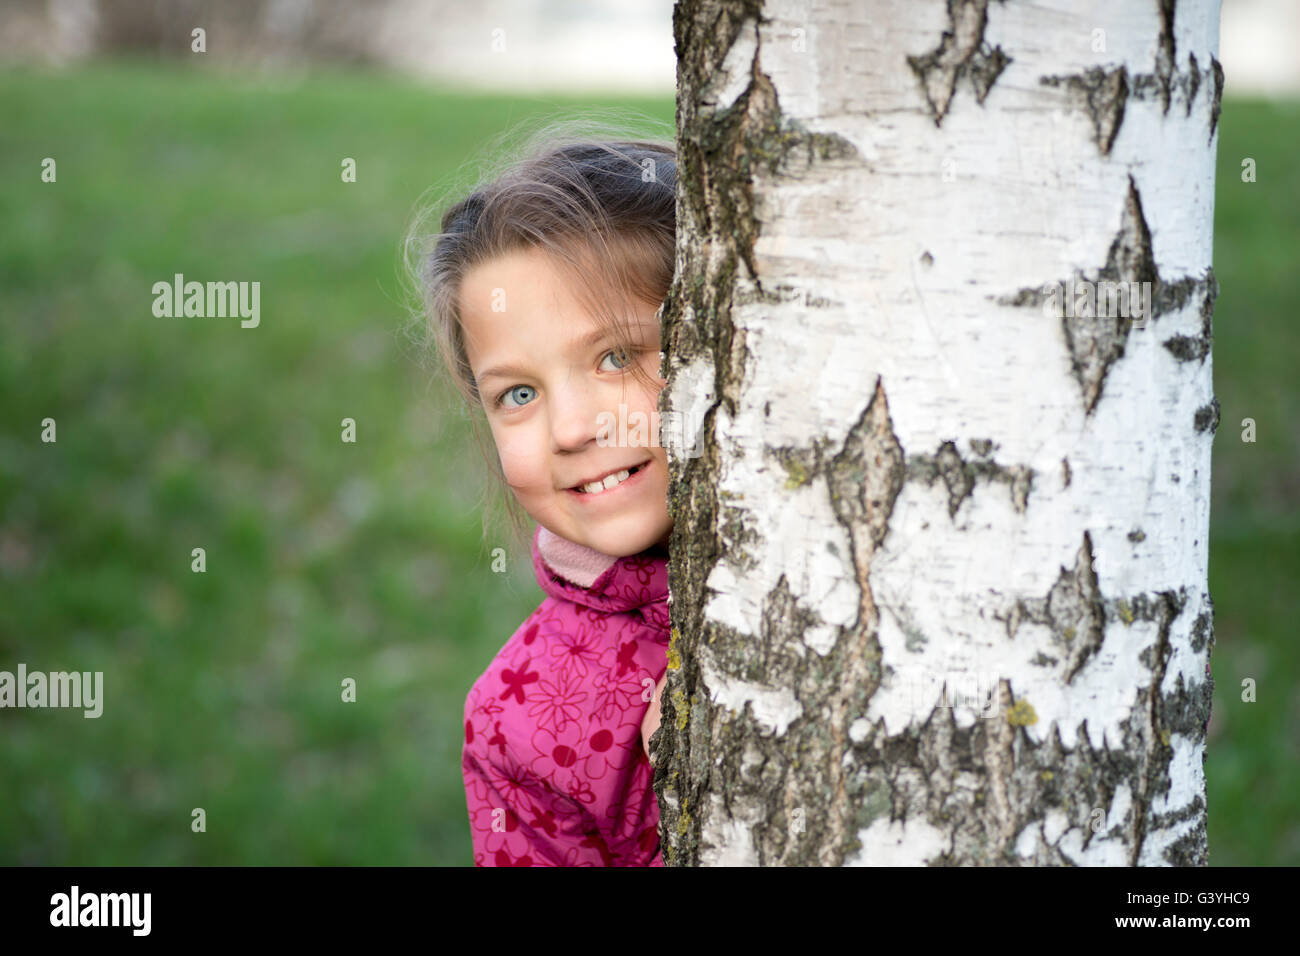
column 636, row 582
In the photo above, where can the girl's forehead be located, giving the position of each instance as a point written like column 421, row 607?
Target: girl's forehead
column 519, row 282
column 524, row 284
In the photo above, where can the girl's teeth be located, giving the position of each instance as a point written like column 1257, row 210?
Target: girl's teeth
column 609, row 482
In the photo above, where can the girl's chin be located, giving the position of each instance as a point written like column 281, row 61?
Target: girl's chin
column 616, row 542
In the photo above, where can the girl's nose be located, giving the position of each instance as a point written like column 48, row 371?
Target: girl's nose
column 576, row 416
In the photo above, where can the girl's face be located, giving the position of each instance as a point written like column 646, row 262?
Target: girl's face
column 545, row 408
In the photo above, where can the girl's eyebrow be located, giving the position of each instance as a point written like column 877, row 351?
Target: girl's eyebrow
column 511, row 369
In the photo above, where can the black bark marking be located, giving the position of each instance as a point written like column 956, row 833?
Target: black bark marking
column 1203, row 629
column 1103, row 95
column 1073, row 611
column 775, row 295
column 1184, row 83
column 1216, row 104
column 1165, row 52
column 961, row 53
column 1096, row 342
column 1180, row 713
column 754, row 131
column 864, row 479
column 1207, row 417
column 960, row 476
column 952, row 469
column 1147, row 734
column 1137, row 535
column 867, row 474
column 1187, row 348
column 910, row 774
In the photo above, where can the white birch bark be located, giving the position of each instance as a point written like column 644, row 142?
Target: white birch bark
column 913, row 478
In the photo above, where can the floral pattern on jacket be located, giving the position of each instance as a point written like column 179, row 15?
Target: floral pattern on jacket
column 555, row 773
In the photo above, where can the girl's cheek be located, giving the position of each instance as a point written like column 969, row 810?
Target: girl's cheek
column 509, row 445
column 520, row 463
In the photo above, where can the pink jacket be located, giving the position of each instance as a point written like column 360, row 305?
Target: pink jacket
column 555, row 773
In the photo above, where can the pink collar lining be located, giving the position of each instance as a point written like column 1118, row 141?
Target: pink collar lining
column 570, row 560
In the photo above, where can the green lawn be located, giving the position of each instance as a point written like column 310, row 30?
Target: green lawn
column 328, row 560
column 1253, row 762
column 325, row 560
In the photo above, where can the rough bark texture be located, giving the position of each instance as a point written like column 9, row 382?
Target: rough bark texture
column 939, row 575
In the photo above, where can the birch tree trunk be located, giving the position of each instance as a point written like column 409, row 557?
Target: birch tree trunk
column 939, row 567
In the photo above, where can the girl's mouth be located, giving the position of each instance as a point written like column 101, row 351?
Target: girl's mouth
column 635, row 478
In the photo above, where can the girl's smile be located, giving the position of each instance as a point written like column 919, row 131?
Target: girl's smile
column 630, row 482
column 549, row 383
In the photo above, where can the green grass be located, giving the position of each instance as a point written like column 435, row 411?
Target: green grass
column 325, row 560
column 1252, row 764
column 328, row 560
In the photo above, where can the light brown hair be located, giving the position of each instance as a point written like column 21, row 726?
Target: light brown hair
column 600, row 202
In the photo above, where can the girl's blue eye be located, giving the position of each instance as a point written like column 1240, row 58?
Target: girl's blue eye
column 501, row 397
column 620, row 352
column 528, row 388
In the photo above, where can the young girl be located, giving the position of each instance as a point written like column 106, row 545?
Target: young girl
column 543, row 291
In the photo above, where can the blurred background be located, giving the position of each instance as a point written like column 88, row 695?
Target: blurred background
column 328, row 560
